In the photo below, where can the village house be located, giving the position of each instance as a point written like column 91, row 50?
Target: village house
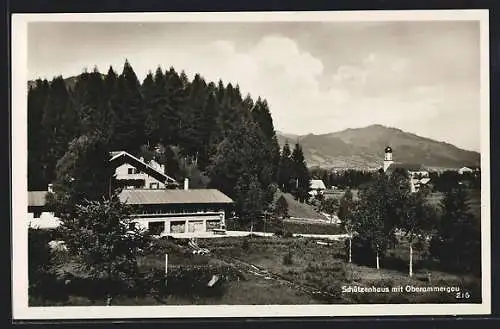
column 418, row 174
column 468, row 170
column 317, row 186
column 134, row 172
column 160, row 206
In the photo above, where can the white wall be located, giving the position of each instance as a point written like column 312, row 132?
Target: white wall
column 47, row 220
column 121, row 172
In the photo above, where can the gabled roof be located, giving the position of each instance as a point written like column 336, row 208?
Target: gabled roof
column 424, row 180
column 36, row 198
column 160, row 196
column 317, row 184
column 406, row 166
column 121, row 157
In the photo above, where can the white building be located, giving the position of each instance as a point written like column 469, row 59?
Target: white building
column 317, row 186
column 419, row 176
column 159, row 206
column 465, row 170
column 136, row 173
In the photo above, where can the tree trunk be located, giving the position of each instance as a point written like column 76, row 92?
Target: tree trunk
column 411, row 260
column 350, row 250
column 378, row 261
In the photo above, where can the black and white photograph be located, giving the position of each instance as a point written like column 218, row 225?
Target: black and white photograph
column 250, row 164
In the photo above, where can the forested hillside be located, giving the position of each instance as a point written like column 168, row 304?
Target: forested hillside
column 194, row 127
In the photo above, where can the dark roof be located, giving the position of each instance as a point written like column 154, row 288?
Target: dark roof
column 388, row 149
column 122, row 157
column 36, row 198
column 164, row 196
column 406, row 166
column 152, row 196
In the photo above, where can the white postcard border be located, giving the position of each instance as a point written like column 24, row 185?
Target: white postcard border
column 21, row 310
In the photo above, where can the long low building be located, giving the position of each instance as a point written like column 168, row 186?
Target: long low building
column 161, row 211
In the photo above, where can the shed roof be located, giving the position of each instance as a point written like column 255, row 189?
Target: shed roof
column 164, row 196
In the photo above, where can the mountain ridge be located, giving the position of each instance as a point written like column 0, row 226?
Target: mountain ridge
column 363, row 148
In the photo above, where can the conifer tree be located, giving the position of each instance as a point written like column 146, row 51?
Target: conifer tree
column 242, row 153
column 301, row 174
column 457, row 241
column 59, row 124
column 285, row 169
column 127, row 104
column 37, row 144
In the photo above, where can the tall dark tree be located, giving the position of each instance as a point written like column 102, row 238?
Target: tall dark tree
column 128, row 107
column 249, row 198
column 207, row 130
column 457, row 242
column 285, row 169
column 301, row 174
column 242, row 153
column 59, row 125
column 37, row 143
column 91, row 102
column 262, row 116
column 151, row 122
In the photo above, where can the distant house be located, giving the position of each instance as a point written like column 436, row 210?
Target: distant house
column 465, row 170
column 317, row 186
column 158, row 203
column 419, row 175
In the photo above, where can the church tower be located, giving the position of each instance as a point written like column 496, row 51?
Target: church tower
column 388, row 158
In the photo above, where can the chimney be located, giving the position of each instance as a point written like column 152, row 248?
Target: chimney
column 50, row 188
column 186, row 183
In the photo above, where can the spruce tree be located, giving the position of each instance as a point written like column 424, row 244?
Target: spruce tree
column 242, row 153
column 285, row 169
column 59, row 124
column 301, row 174
column 37, row 143
column 128, row 107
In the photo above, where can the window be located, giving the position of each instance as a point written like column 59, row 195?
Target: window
column 156, row 228
column 37, row 214
column 153, row 185
column 130, row 171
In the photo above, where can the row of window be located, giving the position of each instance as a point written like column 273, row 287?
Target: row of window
column 178, row 211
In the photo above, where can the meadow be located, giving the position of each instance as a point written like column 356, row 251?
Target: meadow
column 257, row 270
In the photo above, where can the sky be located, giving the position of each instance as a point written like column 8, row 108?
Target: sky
column 318, row 77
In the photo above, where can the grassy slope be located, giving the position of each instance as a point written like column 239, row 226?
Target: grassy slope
column 299, row 210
